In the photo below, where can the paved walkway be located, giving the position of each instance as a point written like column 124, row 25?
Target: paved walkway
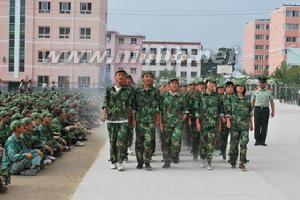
column 273, row 173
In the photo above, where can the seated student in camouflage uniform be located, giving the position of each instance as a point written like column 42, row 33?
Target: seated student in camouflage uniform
column 173, row 113
column 47, row 136
column 16, row 159
column 116, row 105
column 37, row 139
column 4, row 128
column 27, row 139
column 240, row 121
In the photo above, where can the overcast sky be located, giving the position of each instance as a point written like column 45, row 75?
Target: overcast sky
column 215, row 23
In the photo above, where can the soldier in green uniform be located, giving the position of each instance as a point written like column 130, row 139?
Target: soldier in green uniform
column 220, row 91
column 240, row 123
column 117, row 104
column 210, row 108
column 146, row 108
column 260, row 101
column 227, row 105
column 173, row 113
column 16, row 159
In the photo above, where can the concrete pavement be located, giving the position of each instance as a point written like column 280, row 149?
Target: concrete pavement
column 273, row 173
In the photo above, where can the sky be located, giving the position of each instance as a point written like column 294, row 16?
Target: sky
column 214, row 23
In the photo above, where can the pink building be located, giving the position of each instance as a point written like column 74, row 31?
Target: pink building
column 31, row 30
column 256, row 47
column 267, row 42
column 123, row 52
column 284, row 34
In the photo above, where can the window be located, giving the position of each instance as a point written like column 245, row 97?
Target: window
column 144, row 50
column 267, row 26
column 259, row 26
column 64, row 56
column 83, row 81
column 163, row 62
column 258, row 57
column 259, row 47
column 259, row 37
column 292, row 13
column 63, row 82
column 163, row 51
column 108, row 53
column 85, row 8
column 173, row 63
column 43, row 79
column 85, row 33
column 43, row 56
column 132, row 70
column 292, row 26
column 65, row 7
column 291, row 39
column 267, row 47
column 152, row 50
column 267, row 37
column 194, row 63
column 194, row 52
column 184, row 51
column 153, row 62
column 133, row 41
column 121, row 40
column 256, row 67
column 183, row 74
column 193, row 74
column 44, row 7
column 266, row 57
column 183, row 63
column 143, row 62
column 44, row 32
column 133, row 55
column 173, row 51
column 64, row 32
column 108, row 37
column 84, row 57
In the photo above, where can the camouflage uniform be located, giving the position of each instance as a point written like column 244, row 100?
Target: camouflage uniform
column 173, row 108
column 195, row 134
column 240, row 117
column 146, row 106
column 210, row 108
column 47, row 137
column 118, row 105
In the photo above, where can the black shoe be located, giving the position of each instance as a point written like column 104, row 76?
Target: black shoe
column 263, row 144
column 256, row 143
column 176, row 159
column 148, row 166
column 139, row 166
column 166, row 165
column 233, row 165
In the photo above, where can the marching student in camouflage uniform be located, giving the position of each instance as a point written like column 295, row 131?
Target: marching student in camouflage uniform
column 210, row 108
column 173, row 113
column 117, row 104
column 146, row 107
column 227, row 104
column 220, row 91
column 240, row 123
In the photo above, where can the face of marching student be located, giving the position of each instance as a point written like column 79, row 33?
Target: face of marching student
column 120, row 78
column 174, row 86
column 229, row 89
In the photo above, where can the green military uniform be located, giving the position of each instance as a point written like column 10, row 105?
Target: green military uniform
column 173, row 108
column 118, row 104
column 240, row 120
column 146, row 106
column 210, row 108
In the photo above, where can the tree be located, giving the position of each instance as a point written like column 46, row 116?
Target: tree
column 293, row 75
column 281, row 72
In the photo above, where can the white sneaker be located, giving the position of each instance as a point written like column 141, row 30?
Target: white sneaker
column 202, row 163
column 113, row 166
column 47, row 162
column 52, row 158
column 120, row 167
column 79, row 144
column 209, row 167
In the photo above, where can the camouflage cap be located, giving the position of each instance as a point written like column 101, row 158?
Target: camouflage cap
column 46, row 114
column 148, row 73
column 16, row 116
column 211, row 79
column 15, row 124
column 35, row 115
column 263, row 79
column 220, row 84
column 72, row 111
column 240, row 82
column 173, row 78
column 26, row 121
